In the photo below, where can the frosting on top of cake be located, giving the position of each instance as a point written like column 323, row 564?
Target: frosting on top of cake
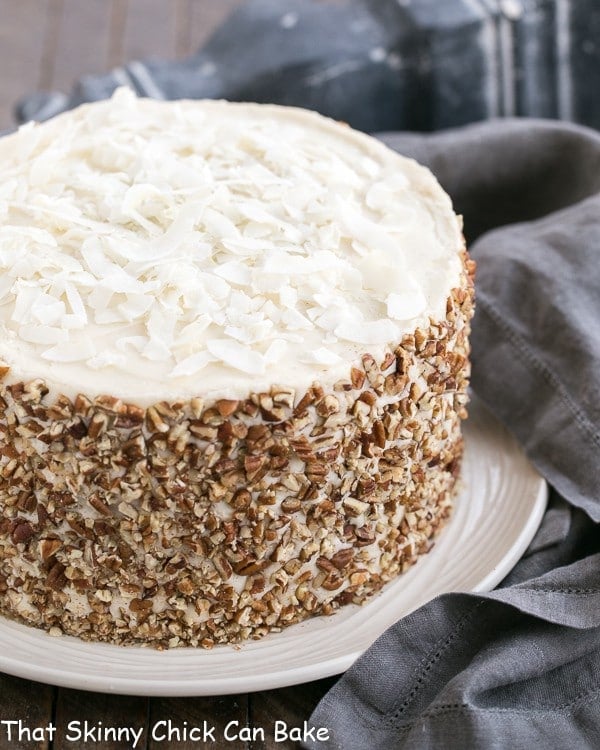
column 157, row 250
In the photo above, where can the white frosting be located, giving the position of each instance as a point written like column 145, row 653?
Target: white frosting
column 157, row 250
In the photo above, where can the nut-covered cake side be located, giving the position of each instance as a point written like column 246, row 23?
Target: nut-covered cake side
column 196, row 523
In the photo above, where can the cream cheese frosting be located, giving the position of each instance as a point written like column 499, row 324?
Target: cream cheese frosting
column 156, row 250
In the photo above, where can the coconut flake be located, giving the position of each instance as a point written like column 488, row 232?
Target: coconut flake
column 47, row 310
column 219, row 225
column 288, row 295
column 367, row 231
column 235, row 271
column 135, row 306
column 237, row 355
column 70, row 351
column 322, row 356
column 192, row 334
column 406, row 306
column 368, row 332
column 251, row 333
column 107, row 359
column 192, row 364
column 6, row 284
column 276, row 351
column 137, row 343
column 134, row 198
column 76, row 303
column 295, row 321
column 43, row 334
column 25, row 298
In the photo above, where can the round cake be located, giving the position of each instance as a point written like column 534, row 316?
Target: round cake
column 234, row 344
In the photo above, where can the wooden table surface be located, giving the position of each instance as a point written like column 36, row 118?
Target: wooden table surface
column 48, row 44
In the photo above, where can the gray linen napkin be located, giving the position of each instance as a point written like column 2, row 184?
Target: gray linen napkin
column 518, row 667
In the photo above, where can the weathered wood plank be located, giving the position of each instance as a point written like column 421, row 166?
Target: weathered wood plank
column 205, row 16
column 101, row 712
column 29, row 702
column 183, row 38
column 118, row 17
column 150, row 30
column 50, row 46
column 292, row 705
column 184, row 713
column 22, row 29
column 83, row 41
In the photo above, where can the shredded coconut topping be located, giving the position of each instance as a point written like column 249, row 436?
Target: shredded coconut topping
column 192, row 238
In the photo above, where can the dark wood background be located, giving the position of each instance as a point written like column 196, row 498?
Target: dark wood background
column 48, row 44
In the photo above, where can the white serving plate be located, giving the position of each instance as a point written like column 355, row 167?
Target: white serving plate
column 498, row 511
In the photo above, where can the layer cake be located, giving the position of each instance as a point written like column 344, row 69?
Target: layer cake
column 235, row 347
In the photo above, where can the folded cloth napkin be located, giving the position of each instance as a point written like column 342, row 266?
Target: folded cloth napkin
column 518, row 667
